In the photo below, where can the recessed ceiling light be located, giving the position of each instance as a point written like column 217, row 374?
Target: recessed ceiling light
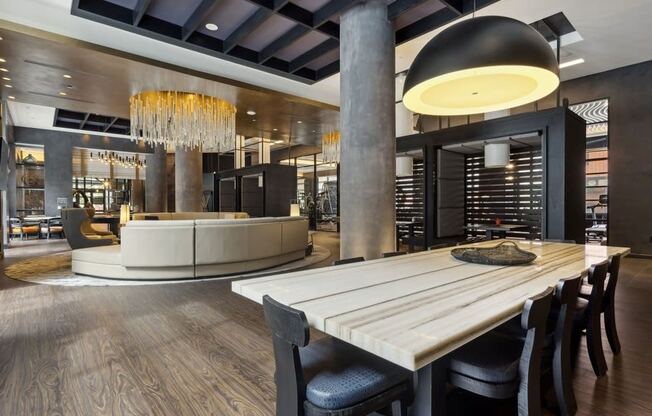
column 211, row 26
column 251, row 112
column 275, row 129
column 4, row 70
column 1, row 38
column 3, row 60
column 70, row 87
column 66, row 76
column 253, row 119
column 299, row 122
column 11, row 97
column 278, row 141
column 62, row 93
column 571, row 63
column 6, row 78
column 9, row 86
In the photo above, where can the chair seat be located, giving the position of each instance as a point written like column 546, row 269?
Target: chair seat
column 492, row 358
column 339, row 375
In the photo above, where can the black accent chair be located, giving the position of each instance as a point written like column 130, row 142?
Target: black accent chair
column 588, row 318
column 348, row 261
column 557, row 345
column 330, row 377
column 608, row 302
column 393, row 254
column 499, row 366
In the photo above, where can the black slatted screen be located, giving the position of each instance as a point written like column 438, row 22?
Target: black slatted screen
column 512, row 194
column 409, row 198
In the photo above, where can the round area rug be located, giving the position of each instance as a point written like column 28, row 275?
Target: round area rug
column 56, row 269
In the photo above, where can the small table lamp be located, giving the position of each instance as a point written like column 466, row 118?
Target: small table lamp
column 124, row 214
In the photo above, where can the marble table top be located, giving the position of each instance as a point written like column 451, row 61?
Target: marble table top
column 414, row 309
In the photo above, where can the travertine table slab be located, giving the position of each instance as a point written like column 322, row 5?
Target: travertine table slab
column 413, row 309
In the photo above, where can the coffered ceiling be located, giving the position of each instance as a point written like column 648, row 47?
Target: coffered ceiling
column 298, row 39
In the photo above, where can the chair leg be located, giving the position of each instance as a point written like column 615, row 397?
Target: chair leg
column 594, row 343
column 610, row 328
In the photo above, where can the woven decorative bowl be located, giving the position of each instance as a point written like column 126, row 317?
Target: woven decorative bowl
column 506, row 253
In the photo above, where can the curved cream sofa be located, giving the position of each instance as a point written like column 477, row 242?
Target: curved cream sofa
column 140, row 216
column 182, row 249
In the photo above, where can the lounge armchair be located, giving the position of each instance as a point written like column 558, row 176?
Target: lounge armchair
column 79, row 232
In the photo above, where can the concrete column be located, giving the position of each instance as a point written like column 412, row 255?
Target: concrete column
column 368, row 146
column 187, row 180
column 156, row 188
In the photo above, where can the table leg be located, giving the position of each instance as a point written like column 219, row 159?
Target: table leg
column 430, row 390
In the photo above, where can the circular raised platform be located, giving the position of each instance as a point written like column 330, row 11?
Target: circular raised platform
column 56, row 270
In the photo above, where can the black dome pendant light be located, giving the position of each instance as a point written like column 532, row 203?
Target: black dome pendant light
column 480, row 65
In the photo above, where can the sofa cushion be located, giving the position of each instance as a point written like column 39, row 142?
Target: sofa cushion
column 235, row 221
column 160, row 224
column 244, row 240
column 158, row 244
column 294, row 235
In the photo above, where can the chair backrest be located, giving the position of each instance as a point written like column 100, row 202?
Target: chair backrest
column 73, row 220
column 393, row 254
column 597, row 276
column 614, row 269
column 290, row 331
column 533, row 321
column 566, row 294
column 348, row 261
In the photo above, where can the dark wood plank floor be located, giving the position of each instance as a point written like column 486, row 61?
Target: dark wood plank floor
column 198, row 349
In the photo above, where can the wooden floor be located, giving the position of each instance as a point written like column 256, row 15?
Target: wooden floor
column 198, row 349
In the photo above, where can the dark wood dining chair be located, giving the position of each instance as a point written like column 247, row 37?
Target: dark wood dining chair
column 330, row 377
column 557, row 345
column 348, row 261
column 589, row 310
column 499, row 366
column 393, row 254
column 608, row 302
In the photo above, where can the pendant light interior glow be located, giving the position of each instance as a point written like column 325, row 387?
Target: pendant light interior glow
column 481, row 65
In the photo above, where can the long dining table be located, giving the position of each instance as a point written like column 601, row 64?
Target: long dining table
column 413, row 310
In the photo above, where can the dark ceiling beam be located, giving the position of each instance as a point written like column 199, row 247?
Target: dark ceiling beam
column 284, row 41
column 456, row 6
column 83, row 122
column 108, row 126
column 314, row 53
column 201, row 12
column 329, row 10
column 246, row 28
column 140, row 10
column 298, row 15
column 399, row 7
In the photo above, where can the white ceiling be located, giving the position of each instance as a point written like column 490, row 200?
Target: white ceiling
column 615, row 34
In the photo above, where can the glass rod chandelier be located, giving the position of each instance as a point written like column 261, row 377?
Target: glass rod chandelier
column 330, row 147
column 182, row 119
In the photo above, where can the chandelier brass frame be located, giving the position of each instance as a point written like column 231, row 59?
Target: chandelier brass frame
column 182, row 119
